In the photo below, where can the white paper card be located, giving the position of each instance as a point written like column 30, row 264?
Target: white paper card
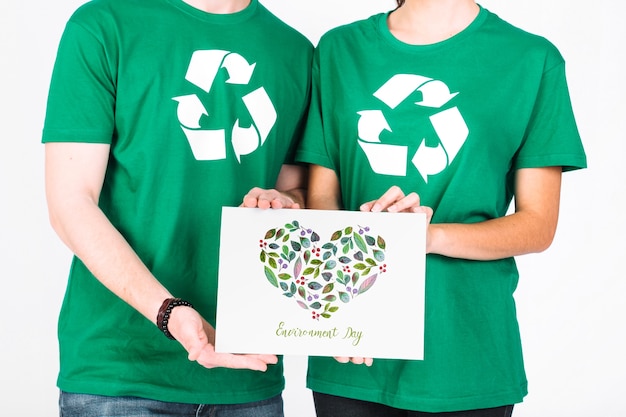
column 321, row 283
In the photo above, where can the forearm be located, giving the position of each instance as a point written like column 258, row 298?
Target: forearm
column 83, row 227
column 513, row 235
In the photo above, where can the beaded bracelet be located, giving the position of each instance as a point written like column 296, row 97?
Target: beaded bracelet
column 164, row 314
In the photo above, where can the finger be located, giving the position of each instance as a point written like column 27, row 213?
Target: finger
column 410, row 201
column 342, row 359
column 392, row 195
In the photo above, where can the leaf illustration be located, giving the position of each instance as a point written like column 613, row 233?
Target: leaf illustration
column 284, row 286
column 330, row 298
column 316, row 305
column 336, row 235
column 315, row 237
column 371, row 261
column 303, row 305
column 296, row 246
column 330, row 264
column 263, row 256
column 360, row 243
column 367, row 284
column 370, row 240
column 314, row 286
column 344, row 297
column 302, row 292
column 344, row 260
column 381, row 242
column 328, row 288
column 284, row 277
column 269, row 274
column 272, row 263
column 297, row 267
column 379, row 255
column 348, row 230
column 360, row 266
column 308, row 271
column 305, row 242
column 270, row 233
column 358, row 256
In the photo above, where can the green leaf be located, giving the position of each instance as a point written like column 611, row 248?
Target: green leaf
column 296, row 246
column 336, row 235
column 379, row 255
column 284, row 277
column 308, row 271
column 272, row 263
column 360, row 266
column 348, row 230
column 263, row 256
column 381, row 242
column 271, row 277
column 316, row 305
column 305, row 242
column 270, row 233
column 360, row 242
column 371, row 262
column 330, row 264
column 302, row 292
column 280, row 233
column 344, row 297
column 328, row 288
column 333, row 309
column 284, row 286
column 370, row 240
column 330, row 298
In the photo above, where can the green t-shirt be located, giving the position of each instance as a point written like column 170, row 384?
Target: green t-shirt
column 198, row 108
column 451, row 121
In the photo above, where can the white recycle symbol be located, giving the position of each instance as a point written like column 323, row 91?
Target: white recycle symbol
column 449, row 125
column 211, row 144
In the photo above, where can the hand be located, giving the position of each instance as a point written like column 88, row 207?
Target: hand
column 264, row 199
column 355, row 360
column 198, row 337
column 394, row 201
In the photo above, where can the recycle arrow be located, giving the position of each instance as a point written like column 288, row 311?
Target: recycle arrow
column 449, row 125
column 211, row 144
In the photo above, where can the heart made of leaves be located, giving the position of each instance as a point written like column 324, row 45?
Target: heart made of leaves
column 322, row 276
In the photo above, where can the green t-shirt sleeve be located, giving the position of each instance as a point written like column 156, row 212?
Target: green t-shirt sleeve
column 81, row 100
column 552, row 137
column 312, row 148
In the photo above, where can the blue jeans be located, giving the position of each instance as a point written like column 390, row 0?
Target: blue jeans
column 85, row 405
column 332, row 406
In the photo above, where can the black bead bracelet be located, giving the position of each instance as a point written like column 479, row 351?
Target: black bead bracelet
column 163, row 316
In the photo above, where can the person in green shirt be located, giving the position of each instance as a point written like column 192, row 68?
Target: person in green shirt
column 161, row 112
column 441, row 107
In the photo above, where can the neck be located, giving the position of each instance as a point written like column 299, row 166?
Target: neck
column 219, row 6
column 423, row 22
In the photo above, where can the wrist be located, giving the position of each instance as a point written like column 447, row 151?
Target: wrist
column 163, row 316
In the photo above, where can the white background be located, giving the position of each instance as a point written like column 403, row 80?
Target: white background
column 571, row 299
